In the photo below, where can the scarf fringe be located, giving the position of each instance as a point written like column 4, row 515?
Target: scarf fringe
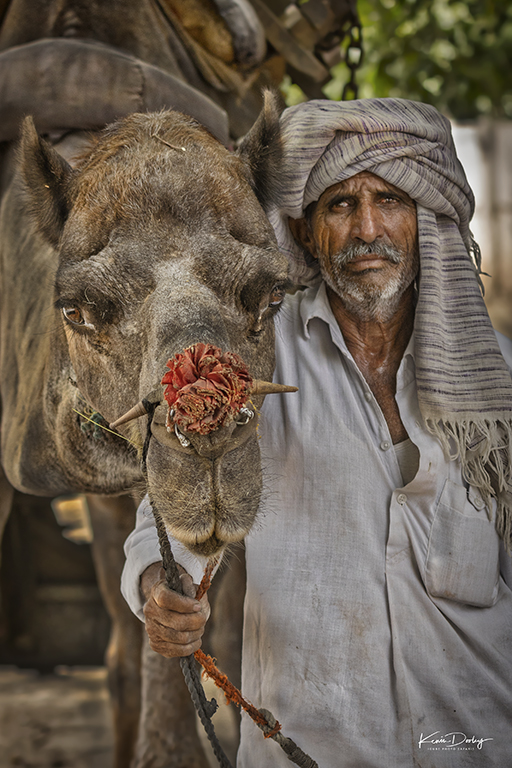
column 484, row 449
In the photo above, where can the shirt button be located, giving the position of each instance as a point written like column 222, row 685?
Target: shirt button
column 385, row 445
column 477, row 500
column 368, row 396
column 401, row 498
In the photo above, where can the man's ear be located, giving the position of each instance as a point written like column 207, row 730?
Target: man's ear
column 46, row 177
column 301, row 231
column 261, row 150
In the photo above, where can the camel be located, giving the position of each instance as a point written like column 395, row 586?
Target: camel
column 173, row 229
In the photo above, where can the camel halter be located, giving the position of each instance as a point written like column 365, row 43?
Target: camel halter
column 263, row 718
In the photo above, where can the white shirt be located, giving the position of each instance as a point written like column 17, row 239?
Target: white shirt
column 376, row 621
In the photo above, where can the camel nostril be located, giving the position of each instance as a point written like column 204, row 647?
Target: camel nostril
column 205, row 388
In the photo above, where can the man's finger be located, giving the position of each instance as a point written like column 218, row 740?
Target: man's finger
column 170, row 634
column 172, row 601
column 181, row 622
column 171, row 651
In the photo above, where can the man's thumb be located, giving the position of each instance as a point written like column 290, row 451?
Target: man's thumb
column 188, row 586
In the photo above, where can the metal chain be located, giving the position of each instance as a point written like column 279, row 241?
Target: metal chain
column 354, row 53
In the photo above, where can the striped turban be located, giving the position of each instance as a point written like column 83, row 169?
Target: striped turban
column 464, row 386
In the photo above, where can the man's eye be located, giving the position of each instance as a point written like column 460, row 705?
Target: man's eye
column 74, row 315
column 277, row 295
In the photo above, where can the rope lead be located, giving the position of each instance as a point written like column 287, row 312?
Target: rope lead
column 206, row 709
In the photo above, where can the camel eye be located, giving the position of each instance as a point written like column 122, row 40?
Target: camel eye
column 73, row 315
column 277, row 295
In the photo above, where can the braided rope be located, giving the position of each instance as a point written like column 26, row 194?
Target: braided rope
column 263, row 718
column 204, row 708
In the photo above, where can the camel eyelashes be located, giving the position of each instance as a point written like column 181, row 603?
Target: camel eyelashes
column 277, row 295
column 76, row 317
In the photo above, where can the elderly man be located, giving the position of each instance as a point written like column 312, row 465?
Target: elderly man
column 378, row 625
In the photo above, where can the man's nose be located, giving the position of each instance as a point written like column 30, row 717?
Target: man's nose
column 367, row 223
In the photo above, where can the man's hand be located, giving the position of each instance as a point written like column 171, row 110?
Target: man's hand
column 174, row 623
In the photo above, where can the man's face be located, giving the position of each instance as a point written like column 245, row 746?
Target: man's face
column 364, row 233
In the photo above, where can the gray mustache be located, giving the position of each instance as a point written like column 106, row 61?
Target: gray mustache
column 355, row 250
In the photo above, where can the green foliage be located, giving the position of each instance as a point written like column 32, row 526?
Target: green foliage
column 292, row 93
column 452, row 54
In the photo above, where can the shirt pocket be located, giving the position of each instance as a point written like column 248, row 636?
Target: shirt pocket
column 462, row 561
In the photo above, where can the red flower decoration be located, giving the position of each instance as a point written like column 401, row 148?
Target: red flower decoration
column 205, row 387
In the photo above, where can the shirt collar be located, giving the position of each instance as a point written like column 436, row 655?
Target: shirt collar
column 315, row 304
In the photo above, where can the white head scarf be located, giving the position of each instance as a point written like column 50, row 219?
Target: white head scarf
column 464, row 387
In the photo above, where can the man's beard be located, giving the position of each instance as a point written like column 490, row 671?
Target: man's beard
column 367, row 301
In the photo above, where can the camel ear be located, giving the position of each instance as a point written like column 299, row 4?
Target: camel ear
column 261, row 150
column 46, row 177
